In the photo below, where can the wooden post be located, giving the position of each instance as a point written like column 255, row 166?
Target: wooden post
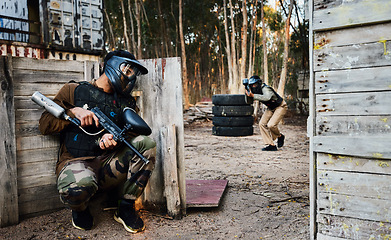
column 162, row 101
column 9, row 213
column 170, row 171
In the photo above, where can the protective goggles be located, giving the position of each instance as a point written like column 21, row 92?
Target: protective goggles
column 129, row 70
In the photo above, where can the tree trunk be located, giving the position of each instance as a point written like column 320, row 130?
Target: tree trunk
column 183, row 55
column 265, row 64
column 234, row 87
column 281, row 85
column 253, row 37
column 244, row 48
column 111, row 30
column 138, row 20
column 228, row 49
column 125, row 27
column 132, row 29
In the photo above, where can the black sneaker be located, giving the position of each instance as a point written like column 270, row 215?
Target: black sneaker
column 280, row 141
column 82, row 220
column 126, row 214
column 269, row 148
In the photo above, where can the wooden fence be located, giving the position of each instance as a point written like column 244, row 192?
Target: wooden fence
column 349, row 123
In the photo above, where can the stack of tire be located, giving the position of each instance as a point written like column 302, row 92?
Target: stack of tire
column 232, row 116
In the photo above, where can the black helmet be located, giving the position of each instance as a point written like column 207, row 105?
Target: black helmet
column 255, row 84
column 254, row 79
column 122, row 68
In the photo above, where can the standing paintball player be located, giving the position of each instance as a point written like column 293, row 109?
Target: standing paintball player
column 276, row 109
column 90, row 163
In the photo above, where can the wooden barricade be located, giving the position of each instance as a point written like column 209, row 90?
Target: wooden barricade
column 28, row 159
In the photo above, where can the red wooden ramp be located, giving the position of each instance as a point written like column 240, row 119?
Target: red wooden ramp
column 204, row 193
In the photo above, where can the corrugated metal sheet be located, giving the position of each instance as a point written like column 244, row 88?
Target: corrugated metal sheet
column 16, row 9
column 76, row 24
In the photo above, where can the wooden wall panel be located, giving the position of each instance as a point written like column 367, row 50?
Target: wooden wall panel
column 37, row 154
column 354, row 104
column 343, row 163
column 353, row 56
column 351, row 228
column 351, row 93
column 353, row 80
column 329, row 125
column 354, row 207
column 365, row 146
column 342, row 14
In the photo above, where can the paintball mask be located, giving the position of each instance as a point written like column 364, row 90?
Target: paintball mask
column 122, row 73
column 255, row 84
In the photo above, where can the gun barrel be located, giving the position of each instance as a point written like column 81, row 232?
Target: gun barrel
column 48, row 104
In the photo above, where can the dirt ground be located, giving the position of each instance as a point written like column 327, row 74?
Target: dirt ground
column 266, row 198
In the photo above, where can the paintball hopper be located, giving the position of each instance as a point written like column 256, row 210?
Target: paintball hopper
column 134, row 123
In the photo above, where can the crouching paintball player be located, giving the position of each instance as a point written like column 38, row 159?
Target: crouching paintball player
column 92, row 160
column 276, row 109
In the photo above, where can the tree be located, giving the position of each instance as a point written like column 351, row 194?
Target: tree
column 183, row 55
column 281, row 84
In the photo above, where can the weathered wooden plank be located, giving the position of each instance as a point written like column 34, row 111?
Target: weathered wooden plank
column 54, row 76
column 36, row 181
column 353, row 80
column 352, row 164
column 48, row 65
column 374, row 54
column 365, row 146
column 27, row 129
column 36, row 142
column 42, row 205
column 38, row 193
column 170, row 171
column 352, row 36
column 354, row 104
column 354, row 207
column 353, row 125
column 350, row 13
column 8, row 175
column 352, row 228
column 162, row 103
column 327, row 237
column 37, row 155
column 36, row 168
column 355, row 184
column 28, row 115
column 27, row 89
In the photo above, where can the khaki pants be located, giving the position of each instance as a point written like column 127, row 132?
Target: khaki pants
column 269, row 123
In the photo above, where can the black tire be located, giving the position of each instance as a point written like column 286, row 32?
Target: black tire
column 233, row 121
column 233, row 111
column 232, row 131
column 229, row 99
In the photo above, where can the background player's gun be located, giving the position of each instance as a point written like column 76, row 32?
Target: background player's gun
column 133, row 122
column 246, row 86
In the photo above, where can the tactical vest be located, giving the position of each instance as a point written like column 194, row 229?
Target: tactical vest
column 272, row 103
column 80, row 144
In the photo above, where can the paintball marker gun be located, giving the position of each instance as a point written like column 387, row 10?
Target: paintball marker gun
column 246, row 86
column 133, row 122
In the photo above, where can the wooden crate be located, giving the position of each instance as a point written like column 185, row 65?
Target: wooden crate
column 350, row 119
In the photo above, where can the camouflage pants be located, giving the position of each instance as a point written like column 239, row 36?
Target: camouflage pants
column 78, row 181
